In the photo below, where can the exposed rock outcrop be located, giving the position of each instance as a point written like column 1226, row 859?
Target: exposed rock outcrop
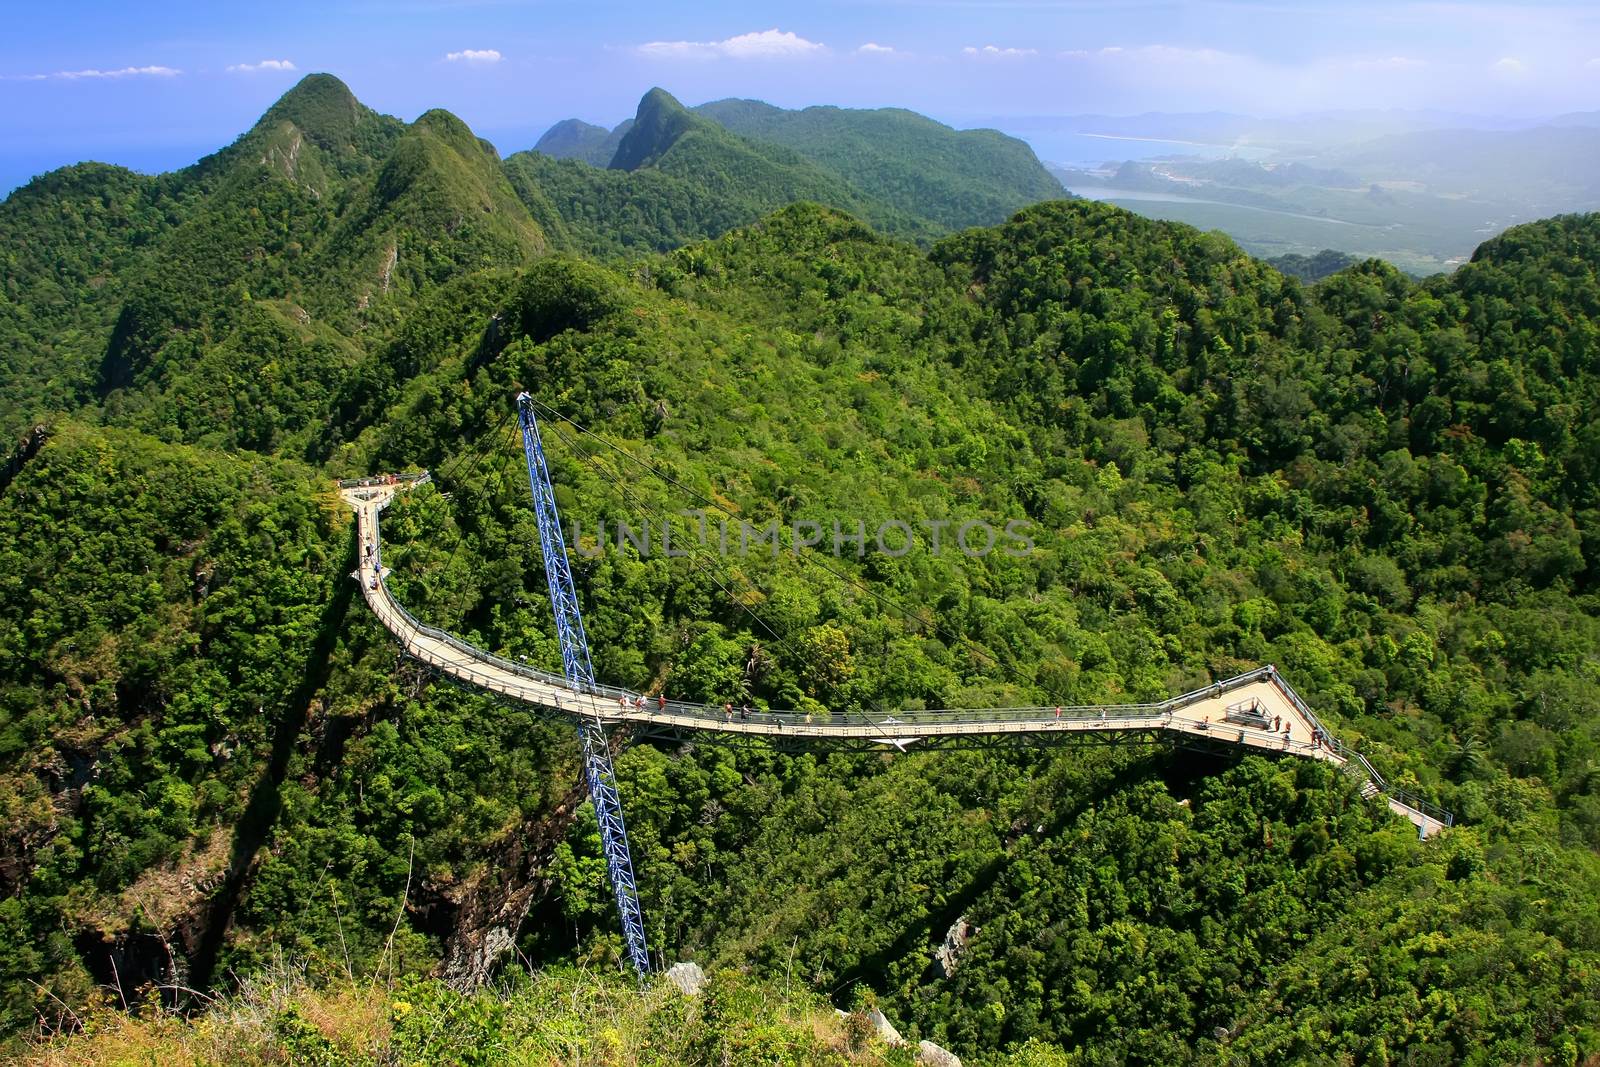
column 26, row 449
column 934, row 1056
column 489, row 912
column 688, row 977
column 948, row 955
column 884, row 1028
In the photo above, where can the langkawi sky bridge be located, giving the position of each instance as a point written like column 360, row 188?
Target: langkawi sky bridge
column 1257, row 711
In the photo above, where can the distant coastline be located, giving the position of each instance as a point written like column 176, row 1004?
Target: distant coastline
column 1156, row 140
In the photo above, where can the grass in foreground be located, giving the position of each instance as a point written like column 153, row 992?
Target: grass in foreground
column 554, row 1017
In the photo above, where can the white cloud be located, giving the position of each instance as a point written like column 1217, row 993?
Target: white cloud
column 1593, row 64
column 762, row 44
column 1508, row 65
column 265, row 64
column 478, row 57
column 990, row 51
column 77, row 75
column 873, row 49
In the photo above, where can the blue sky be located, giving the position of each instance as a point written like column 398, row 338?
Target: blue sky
column 154, row 86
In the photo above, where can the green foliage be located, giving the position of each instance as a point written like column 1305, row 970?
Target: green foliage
column 159, row 608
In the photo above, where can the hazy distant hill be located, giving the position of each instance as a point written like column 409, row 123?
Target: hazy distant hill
column 576, row 139
column 1550, row 168
column 1577, row 118
column 1422, row 199
column 571, row 139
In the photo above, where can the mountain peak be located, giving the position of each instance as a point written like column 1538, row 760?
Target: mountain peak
column 660, row 121
column 449, row 127
column 322, row 107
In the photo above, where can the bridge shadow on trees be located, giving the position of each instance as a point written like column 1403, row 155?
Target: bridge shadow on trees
column 1183, row 769
column 266, row 796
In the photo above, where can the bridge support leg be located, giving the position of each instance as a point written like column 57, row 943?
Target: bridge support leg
column 602, row 777
column 579, row 669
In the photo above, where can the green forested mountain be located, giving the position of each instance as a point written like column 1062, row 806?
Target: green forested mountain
column 908, row 175
column 308, row 231
column 576, row 139
column 896, row 161
column 958, row 177
column 209, row 749
column 326, row 217
column 676, row 176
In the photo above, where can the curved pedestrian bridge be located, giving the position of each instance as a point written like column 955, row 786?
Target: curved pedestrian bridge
column 1257, row 710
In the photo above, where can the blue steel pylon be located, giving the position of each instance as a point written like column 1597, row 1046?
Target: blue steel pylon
column 598, row 768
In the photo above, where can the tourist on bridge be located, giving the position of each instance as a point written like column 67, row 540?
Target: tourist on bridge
column 661, row 701
column 639, row 702
column 727, row 710
column 744, row 711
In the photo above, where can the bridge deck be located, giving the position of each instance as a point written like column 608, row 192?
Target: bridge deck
column 1216, row 713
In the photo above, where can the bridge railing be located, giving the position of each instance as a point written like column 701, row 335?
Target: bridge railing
column 1355, row 759
column 889, row 724
column 712, row 715
column 1404, row 796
